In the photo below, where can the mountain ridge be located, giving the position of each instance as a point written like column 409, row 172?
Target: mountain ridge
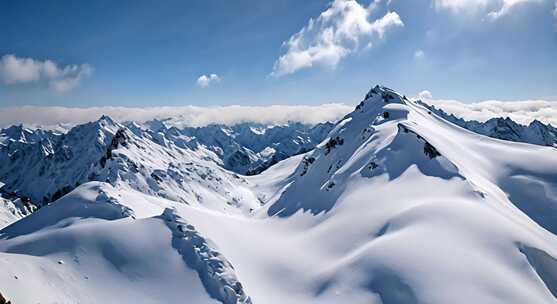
column 395, row 205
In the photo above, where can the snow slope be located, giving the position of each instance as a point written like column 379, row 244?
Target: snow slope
column 396, row 205
column 89, row 248
column 404, row 221
column 90, row 253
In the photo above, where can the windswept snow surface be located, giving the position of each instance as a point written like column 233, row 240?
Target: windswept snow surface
column 396, row 205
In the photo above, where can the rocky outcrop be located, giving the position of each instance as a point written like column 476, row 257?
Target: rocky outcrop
column 215, row 271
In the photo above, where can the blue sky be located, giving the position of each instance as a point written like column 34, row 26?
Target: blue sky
column 148, row 53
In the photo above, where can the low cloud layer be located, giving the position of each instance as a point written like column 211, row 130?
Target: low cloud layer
column 522, row 112
column 344, row 28
column 15, row 70
column 50, row 117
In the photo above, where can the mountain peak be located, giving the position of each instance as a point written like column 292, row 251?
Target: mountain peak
column 106, row 120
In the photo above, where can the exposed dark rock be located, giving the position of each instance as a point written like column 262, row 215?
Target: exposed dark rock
column 371, row 93
column 332, row 143
column 120, row 138
column 61, row 192
column 430, row 150
column 387, row 97
column 4, row 300
column 306, row 162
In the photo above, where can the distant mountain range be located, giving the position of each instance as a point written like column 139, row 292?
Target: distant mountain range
column 40, row 166
column 505, row 128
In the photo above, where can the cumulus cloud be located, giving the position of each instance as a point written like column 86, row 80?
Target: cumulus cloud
column 337, row 32
column 205, row 80
column 495, row 8
column 419, row 54
column 522, row 112
column 14, row 70
column 50, row 117
column 425, row 94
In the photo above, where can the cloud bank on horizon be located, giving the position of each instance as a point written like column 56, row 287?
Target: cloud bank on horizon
column 186, row 116
column 521, row 111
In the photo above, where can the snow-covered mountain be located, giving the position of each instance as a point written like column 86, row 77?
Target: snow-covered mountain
column 60, row 162
column 246, row 148
column 396, row 205
column 106, row 151
column 536, row 132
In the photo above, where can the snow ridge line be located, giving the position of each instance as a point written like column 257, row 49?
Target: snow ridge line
column 105, row 197
column 214, row 270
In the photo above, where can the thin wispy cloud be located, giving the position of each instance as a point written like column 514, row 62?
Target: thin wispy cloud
column 50, row 117
column 205, row 81
column 15, row 70
column 338, row 31
column 493, row 9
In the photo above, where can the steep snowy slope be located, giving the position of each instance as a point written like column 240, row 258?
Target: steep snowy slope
column 397, row 205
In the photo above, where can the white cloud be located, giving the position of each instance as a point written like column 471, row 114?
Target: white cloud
column 70, row 77
column 522, row 112
column 205, row 80
column 14, row 70
column 34, row 116
column 495, row 8
column 425, row 94
column 419, row 54
column 337, row 32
